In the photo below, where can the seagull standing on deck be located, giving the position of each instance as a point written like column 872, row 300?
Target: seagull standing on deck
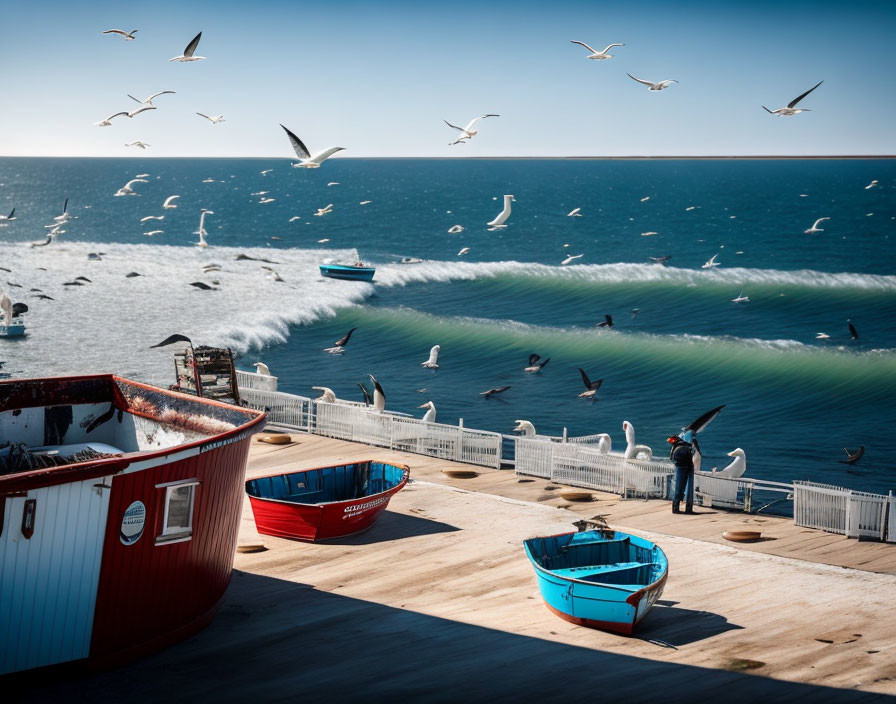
column 598, row 55
column 790, row 110
column 467, row 132
column 308, row 161
column 189, row 51
column 815, row 228
column 653, row 86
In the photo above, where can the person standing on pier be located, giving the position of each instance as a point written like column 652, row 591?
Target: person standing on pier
column 684, row 449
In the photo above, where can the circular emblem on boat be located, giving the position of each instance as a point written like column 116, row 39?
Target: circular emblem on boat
column 132, row 523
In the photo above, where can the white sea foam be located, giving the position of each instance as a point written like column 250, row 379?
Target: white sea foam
column 400, row 275
column 110, row 323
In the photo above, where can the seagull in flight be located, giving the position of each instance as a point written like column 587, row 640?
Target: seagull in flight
column 133, row 113
column 326, row 210
column 307, row 161
column 138, row 143
column 152, row 217
column 591, row 387
column 201, row 231
column 570, row 259
column 126, row 189
column 574, row 213
column 467, row 132
column 598, row 55
column 463, row 251
column 128, row 36
column 214, row 119
column 790, row 109
column 653, row 86
column 495, row 391
column 712, row 262
column 741, row 298
column 148, row 101
column 661, row 260
column 433, row 361
column 188, row 52
column 535, row 363
column 455, row 229
column 822, row 336
column 871, row 185
column 11, row 216
column 815, row 228
column 168, row 205
column 339, row 346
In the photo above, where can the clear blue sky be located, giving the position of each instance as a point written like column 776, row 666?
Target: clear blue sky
column 379, row 77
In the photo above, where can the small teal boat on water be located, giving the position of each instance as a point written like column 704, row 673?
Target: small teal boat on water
column 350, row 272
column 11, row 324
column 599, row 578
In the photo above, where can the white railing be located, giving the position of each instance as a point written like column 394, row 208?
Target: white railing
column 583, row 466
column 283, row 409
column 866, row 515
column 891, row 521
column 820, row 506
column 569, row 460
column 251, row 380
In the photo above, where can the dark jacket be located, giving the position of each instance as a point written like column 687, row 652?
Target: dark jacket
column 682, row 455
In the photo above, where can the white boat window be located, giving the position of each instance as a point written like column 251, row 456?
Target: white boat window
column 177, row 524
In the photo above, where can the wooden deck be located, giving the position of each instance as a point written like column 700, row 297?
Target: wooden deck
column 438, row 603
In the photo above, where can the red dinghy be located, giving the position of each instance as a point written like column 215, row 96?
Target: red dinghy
column 325, row 502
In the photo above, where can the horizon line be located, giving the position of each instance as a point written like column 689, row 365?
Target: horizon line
column 632, row 157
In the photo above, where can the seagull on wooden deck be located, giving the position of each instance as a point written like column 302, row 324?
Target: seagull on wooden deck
column 535, row 363
column 790, row 109
column 591, row 387
column 127, row 36
column 379, row 396
column 126, row 189
column 653, row 86
column 148, row 101
column 189, row 51
column 430, row 415
column 499, row 221
column 815, row 228
column 307, row 161
column 433, row 361
column 597, row 55
column 339, row 346
column 467, row 132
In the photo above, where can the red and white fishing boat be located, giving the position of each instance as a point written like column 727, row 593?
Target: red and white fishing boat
column 119, row 511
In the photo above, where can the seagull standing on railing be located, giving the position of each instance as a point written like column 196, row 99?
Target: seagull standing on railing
column 262, row 368
column 379, row 396
column 430, row 415
column 433, row 361
column 327, row 395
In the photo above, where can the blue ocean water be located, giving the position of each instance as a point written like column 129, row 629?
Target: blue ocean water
column 679, row 345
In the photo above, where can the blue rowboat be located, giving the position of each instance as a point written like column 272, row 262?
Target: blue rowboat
column 351, row 272
column 599, row 578
column 16, row 329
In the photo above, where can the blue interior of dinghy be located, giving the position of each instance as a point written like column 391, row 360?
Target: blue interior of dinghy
column 326, row 484
column 618, row 561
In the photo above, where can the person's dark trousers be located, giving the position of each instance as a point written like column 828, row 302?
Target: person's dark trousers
column 684, row 478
